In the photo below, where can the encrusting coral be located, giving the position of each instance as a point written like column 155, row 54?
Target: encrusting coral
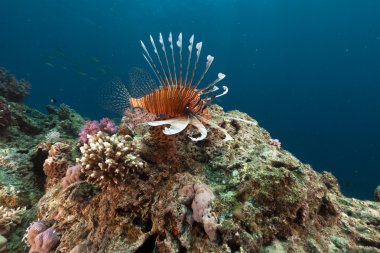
column 9, row 218
column 72, row 175
column 201, row 196
column 109, row 160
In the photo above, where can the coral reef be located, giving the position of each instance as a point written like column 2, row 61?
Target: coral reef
column 11, row 88
column 138, row 195
column 247, row 195
column 24, row 146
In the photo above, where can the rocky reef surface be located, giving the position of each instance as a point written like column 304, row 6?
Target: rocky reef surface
column 124, row 191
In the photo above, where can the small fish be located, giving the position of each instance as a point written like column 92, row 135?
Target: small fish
column 59, row 52
column 80, row 73
column 102, row 71
column 49, row 64
column 94, row 59
column 53, row 100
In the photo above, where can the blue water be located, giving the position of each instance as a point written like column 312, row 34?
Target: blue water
column 308, row 71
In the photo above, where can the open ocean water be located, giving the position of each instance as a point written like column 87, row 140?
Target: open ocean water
column 308, row 71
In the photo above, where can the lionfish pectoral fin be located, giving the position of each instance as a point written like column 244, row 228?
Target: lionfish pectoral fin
column 201, row 128
column 177, row 125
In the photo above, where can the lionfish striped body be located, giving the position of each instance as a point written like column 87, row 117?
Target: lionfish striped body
column 179, row 97
column 171, row 101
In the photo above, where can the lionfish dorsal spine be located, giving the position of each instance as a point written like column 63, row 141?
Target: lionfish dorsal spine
column 190, row 47
column 166, row 59
column 221, row 76
column 209, row 61
column 198, row 46
column 169, row 76
column 173, row 58
column 150, row 61
column 166, row 81
column 179, row 44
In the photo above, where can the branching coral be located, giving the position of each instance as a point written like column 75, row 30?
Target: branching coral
column 57, row 162
column 11, row 88
column 109, row 160
column 9, row 218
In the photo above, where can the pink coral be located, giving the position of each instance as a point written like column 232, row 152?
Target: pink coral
column 92, row 127
column 72, row 175
column 202, row 199
column 201, row 196
column 33, row 230
column 44, row 242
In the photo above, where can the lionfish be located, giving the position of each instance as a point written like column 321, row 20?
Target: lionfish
column 179, row 98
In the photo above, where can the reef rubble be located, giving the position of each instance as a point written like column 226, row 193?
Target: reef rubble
column 122, row 192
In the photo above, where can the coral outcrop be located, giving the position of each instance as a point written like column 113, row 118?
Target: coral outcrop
column 11, row 88
column 246, row 195
column 136, row 195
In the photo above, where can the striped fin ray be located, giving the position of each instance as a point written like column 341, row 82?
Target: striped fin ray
column 150, row 61
column 173, row 58
column 159, row 59
column 166, row 58
column 209, row 61
column 221, row 76
column 198, row 46
column 169, row 76
column 190, row 47
column 179, row 44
